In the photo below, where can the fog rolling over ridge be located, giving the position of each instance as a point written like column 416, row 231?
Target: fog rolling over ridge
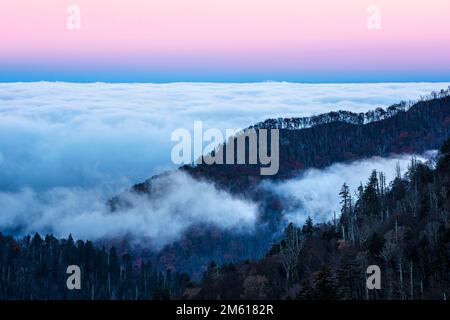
column 315, row 192
column 182, row 202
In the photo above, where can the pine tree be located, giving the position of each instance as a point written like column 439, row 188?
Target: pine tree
column 370, row 196
column 347, row 216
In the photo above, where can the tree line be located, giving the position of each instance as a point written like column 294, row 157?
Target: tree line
column 35, row 268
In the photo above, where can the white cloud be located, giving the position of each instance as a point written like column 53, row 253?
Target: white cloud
column 316, row 192
column 83, row 135
column 162, row 220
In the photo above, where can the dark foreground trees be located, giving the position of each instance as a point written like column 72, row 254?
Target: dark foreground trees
column 35, row 268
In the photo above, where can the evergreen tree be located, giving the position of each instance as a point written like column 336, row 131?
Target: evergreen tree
column 308, row 227
column 371, row 203
column 324, row 286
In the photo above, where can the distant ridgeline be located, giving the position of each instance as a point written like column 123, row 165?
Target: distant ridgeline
column 345, row 116
column 334, row 116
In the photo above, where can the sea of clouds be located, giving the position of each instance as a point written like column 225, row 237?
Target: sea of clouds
column 84, row 135
column 68, row 147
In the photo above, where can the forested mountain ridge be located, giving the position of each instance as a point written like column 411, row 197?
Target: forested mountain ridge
column 423, row 127
column 334, row 116
column 409, row 128
column 378, row 114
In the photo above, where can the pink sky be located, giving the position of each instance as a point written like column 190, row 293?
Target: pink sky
column 274, row 35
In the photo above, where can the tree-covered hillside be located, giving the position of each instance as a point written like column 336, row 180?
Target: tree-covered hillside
column 403, row 227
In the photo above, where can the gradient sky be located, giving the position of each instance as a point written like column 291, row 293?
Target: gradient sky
column 225, row 41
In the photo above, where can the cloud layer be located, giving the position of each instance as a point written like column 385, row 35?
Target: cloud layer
column 86, row 135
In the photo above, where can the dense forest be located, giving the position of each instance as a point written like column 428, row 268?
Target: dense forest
column 403, row 227
column 35, row 268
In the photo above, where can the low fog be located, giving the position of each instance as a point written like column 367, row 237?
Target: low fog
column 315, row 193
column 182, row 202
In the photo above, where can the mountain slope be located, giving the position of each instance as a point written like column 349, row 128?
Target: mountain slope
column 337, row 137
column 423, row 127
